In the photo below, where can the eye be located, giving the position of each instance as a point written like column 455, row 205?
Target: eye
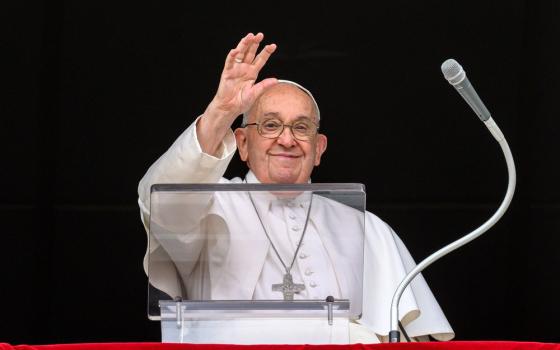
column 271, row 125
column 302, row 127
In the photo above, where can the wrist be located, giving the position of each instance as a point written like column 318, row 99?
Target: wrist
column 211, row 129
column 220, row 115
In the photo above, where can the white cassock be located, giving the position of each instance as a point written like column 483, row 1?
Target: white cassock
column 249, row 274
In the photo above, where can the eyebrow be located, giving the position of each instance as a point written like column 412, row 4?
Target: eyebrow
column 276, row 115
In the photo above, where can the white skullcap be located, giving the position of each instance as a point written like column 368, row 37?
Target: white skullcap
column 280, row 81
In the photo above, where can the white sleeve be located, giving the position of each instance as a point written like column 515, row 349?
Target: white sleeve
column 185, row 162
column 387, row 261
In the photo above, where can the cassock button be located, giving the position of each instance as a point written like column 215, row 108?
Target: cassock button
column 292, row 216
column 312, row 284
column 309, row 272
column 295, row 228
column 303, row 255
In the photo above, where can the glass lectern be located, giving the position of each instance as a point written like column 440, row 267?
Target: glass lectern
column 256, row 264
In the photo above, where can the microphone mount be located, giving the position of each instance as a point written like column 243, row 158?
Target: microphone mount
column 394, row 334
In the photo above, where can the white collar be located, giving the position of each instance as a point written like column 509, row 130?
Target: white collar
column 252, row 179
column 301, row 200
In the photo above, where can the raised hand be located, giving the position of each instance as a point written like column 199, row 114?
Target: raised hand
column 237, row 90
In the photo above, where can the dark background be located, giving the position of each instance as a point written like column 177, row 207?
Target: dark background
column 95, row 91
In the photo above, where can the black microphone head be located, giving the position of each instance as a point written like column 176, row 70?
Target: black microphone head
column 452, row 71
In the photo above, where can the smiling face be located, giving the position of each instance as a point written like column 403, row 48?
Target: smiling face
column 283, row 159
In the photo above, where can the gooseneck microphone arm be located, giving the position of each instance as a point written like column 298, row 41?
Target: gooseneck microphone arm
column 454, row 73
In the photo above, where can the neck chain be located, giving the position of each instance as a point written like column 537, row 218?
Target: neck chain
column 287, row 287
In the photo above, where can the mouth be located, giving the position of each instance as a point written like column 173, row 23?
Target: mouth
column 285, row 155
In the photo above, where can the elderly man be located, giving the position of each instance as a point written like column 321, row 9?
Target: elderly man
column 280, row 143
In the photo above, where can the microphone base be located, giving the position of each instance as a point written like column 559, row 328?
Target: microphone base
column 394, row 336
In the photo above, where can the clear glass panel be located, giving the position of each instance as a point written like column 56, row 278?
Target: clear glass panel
column 235, row 243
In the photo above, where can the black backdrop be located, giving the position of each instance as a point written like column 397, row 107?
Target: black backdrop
column 95, row 91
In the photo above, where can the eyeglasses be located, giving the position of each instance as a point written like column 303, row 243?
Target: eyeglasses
column 271, row 128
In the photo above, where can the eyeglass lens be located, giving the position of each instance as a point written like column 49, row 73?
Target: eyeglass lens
column 302, row 129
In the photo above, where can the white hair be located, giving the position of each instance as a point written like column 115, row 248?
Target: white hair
column 282, row 81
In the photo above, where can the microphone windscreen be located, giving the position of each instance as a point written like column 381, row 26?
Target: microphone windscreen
column 452, row 71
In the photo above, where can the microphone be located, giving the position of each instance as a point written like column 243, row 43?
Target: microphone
column 456, row 76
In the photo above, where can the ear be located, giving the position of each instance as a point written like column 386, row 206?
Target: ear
column 320, row 148
column 241, row 139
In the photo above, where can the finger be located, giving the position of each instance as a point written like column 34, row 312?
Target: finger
column 250, row 56
column 263, row 56
column 230, row 59
column 243, row 47
column 256, row 90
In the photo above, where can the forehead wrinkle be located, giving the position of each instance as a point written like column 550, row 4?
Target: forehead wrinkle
column 277, row 116
column 286, row 84
column 273, row 114
column 256, row 111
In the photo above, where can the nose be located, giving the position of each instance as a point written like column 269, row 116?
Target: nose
column 286, row 138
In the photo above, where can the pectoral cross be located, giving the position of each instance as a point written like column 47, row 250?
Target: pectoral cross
column 288, row 287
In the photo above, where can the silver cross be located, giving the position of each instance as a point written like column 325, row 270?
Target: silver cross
column 288, row 287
